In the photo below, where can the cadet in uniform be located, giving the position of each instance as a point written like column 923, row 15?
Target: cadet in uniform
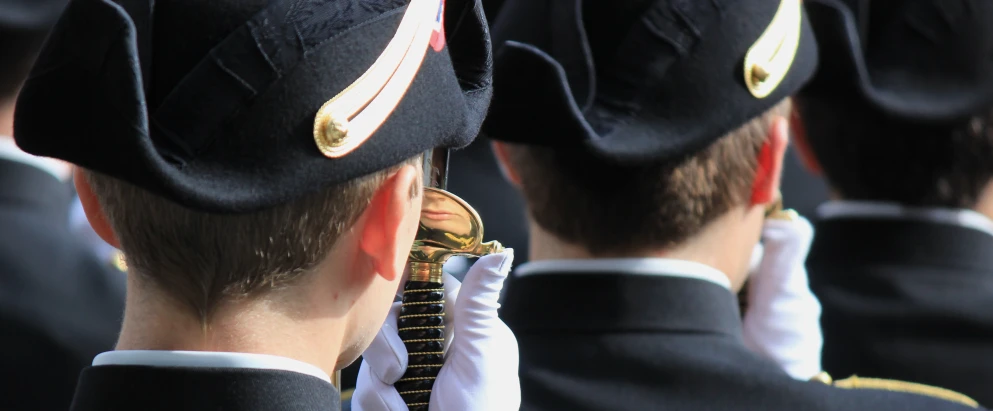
column 59, row 304
column 648, row 139
column 899, row 119
column 258, row 163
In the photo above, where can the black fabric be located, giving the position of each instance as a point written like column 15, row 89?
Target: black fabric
column 802, row 190
column 59, row 306
column 129, row 388
column 24, row 24
column 29, row 14
column 922, row 60
column 227, row 126
column 624, row 342
column 492, row 8
column 631, row 80
column 906, row 300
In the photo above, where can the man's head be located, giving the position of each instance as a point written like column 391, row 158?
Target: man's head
column 872, row 156
column 347, row 243
column 612, row 210
column 658, row 128
column 901, row 109
column 244, row 163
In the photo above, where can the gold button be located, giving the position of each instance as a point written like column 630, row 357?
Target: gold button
column 759, row 74
column 336, row 131
column 823, row 377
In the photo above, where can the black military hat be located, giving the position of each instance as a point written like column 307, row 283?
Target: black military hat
column 928, row 60
column 234, row 106
column 643, row 80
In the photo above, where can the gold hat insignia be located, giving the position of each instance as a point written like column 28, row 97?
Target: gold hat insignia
column 351, row 117
column 768, row 61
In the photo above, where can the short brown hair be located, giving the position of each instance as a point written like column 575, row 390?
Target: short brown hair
column 869, row 155
column 200, row 259
column 612, row 209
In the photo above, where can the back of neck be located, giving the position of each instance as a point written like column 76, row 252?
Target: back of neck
column 714, row 247
column 154, row 322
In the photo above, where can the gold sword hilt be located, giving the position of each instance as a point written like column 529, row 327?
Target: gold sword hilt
column 448, row 227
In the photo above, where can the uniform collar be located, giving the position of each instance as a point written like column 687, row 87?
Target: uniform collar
column 205, row 359
column 610, row 301
column 659, row 267
column 893, row 211
column 900, row 242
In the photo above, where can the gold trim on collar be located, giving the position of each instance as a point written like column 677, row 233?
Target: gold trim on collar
column 351, row 117
column 769, row 60
column 856, row 383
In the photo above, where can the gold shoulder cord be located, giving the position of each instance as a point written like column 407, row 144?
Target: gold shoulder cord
column 858, row 383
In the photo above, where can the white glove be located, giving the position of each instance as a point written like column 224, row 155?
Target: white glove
column 480, row 370
column 783, row 318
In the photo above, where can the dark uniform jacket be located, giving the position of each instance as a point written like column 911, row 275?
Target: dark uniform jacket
column 59, row 306
column 631, row 342
column 133, row 388
column 909, row 300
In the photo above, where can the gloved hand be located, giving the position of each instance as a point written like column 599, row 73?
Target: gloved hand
column 783, row 317
column 481, row 359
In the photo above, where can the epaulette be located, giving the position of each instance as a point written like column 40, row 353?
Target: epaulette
column 858, row 383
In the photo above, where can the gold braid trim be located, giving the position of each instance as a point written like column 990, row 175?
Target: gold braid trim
column 858, row 383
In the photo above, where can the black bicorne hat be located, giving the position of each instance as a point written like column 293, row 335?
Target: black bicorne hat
column 643, row 80
column 235, row 106
column 922, row 60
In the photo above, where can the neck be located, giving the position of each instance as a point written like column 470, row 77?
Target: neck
column 7, row 117
column 725, row 244
column 264, row 325
column 985, row 204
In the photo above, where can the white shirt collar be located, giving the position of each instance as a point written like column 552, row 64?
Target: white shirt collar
column 204, row 359
column 662, row 267
column 9, row 151
column 885, row 210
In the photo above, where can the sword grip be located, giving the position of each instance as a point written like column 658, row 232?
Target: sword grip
column 422, row 329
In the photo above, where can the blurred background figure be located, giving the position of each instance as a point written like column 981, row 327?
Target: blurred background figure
column 59, row 304
column 900, row 120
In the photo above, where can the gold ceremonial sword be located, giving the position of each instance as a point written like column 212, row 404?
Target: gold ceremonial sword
column 449, row 227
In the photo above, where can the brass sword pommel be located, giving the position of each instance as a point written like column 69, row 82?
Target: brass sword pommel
column 449, row 227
